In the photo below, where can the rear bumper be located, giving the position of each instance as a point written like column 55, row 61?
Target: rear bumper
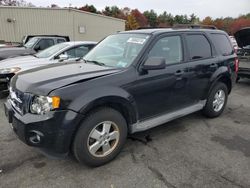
column 52, row 132
column 244, row 72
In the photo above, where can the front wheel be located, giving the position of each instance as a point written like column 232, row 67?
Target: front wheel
column 100, row 137
column 216, row 100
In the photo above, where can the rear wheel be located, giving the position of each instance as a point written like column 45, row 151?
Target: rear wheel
column 216, row 100
column 100, row 137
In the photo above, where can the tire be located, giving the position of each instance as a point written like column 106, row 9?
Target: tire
column 87, row 138
column 210, row 109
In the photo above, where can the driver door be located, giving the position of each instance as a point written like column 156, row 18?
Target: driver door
column 165, row 90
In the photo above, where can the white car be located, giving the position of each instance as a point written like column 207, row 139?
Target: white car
column 54, row 54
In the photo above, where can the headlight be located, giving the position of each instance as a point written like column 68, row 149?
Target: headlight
column 42, row 104
column 9, row 70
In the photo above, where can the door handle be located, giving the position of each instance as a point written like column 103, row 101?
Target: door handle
column 179, row 73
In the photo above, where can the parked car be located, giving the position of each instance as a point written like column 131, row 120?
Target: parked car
column 33, row 46
column 54, row 54
column 243, row 38
column 26, row 38
column 154, row 76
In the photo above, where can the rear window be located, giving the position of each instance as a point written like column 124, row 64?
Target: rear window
column 198, row 46
column 222, row 43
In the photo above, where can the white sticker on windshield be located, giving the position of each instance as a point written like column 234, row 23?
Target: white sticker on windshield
column 136, row 40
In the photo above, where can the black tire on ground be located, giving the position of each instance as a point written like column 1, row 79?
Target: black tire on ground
column 209, row 110
column 81, row 144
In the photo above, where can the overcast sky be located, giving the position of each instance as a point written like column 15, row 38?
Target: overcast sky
column 201, row 8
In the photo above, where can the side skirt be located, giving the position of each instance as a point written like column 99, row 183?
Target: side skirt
column 155, row 121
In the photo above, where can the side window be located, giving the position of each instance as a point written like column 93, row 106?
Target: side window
column 222, row 43
column 60, row 40
column 169, row 48
column 44, row 43
column 198, row 46
column 79, row 51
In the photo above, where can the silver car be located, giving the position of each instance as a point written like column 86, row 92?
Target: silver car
column 66, row 51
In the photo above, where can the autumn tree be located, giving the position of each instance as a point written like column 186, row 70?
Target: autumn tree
column 207, row 21
column 140, row 18
column 239, row 24
column 131, row 23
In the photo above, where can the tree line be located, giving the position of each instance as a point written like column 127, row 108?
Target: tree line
column 136, row 19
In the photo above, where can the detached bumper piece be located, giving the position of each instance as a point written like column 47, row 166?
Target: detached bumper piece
column 51, row 132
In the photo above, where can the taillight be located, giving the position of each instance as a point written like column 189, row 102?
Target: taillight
column 236, row 63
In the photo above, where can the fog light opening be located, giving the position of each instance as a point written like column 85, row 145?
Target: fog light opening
column 35, row 137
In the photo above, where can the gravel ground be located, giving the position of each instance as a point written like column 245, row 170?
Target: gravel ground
column 189, row 152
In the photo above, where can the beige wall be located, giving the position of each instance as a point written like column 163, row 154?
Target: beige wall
column 55, row 21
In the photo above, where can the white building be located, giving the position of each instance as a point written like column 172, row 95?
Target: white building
column 15, row 22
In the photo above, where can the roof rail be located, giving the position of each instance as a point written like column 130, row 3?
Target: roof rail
column 193, row 26
column 153, row 27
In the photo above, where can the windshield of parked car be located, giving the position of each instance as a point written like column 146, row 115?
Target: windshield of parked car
column 53, row 50
column 31, row 42
column 117, row 50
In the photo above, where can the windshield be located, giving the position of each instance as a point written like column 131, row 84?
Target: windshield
column 117, row 50
column 51, row 50
column 31, row 42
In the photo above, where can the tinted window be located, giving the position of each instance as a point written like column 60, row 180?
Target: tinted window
column 222, row 43
column 60, row 40
column 45, row 43
column 198, row 47
column 168, row 48
column 77, row 52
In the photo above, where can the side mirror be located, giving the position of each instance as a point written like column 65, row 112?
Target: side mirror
column 63, row 57
column 154, row 63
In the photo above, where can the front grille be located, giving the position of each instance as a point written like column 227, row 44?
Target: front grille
column 18, row 101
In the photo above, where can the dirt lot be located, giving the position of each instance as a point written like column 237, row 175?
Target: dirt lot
column 190, row 152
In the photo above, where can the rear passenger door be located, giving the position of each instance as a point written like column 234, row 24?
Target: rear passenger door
column 201, row 64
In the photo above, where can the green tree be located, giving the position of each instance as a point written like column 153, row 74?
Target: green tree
column 193, row 19
column 113, row 11
column 89, row 8
column 165, row 19
column 152, row 18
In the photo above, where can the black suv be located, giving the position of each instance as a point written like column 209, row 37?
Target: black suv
column 130, row 82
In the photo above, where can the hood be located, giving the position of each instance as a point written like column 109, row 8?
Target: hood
column 243, row 37
column 42, row 81
column 23, row 62
column 14, row 51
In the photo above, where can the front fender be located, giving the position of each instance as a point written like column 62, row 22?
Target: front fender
column 103, row 95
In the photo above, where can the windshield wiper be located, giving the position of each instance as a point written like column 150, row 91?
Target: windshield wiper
column 94, row 62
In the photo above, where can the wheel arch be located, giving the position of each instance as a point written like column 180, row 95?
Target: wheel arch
column 222, row 77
